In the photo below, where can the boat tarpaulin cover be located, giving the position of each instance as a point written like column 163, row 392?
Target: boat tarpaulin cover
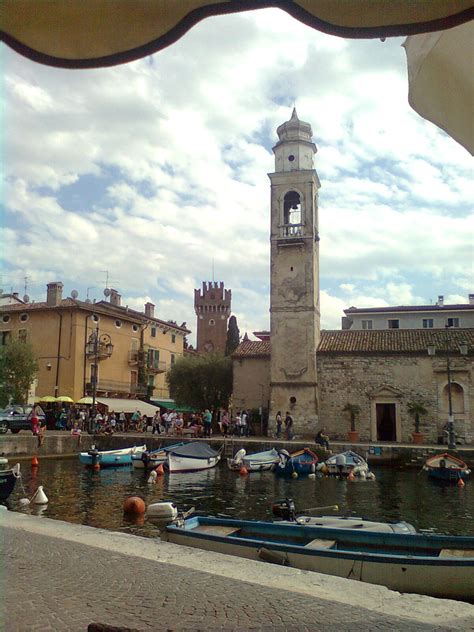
column 128, row 406
column 195, row 450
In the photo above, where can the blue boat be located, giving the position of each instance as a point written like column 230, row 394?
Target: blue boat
column 110, row 458
column 436, row 565
column 257, row 462
column 300, row 463
column 446, row 467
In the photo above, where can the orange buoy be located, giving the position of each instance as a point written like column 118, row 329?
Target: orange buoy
column 96, row 466
column 160, row 469
column 461, row 483
column 134, row 505
column 351, row 476
column 34, row 461
column 243, row 471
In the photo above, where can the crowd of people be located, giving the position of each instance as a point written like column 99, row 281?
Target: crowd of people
column 78, row 419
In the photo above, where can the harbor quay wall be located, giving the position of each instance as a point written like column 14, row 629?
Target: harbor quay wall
column 62, row 444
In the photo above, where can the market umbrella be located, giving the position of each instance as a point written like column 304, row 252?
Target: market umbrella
column 36, row 400
column 84, row 400
column 48, row 398
column 441, row 80
column 87, row 33
column 65, row 399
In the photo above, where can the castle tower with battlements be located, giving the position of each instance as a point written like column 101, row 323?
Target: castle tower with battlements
column 212, row 306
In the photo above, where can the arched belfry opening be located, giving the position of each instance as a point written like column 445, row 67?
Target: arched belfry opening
column 292, row 209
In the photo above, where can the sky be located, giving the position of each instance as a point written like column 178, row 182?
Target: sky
column 151, row 177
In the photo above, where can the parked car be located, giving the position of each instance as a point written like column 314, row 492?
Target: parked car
column 18, row 418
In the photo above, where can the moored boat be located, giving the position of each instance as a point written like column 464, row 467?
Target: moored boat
column 110, row 458
column 257, row 462
column 346, row 464
column 149, row 459
column 191, row 457
column 446, row 467
column 8, row 479
column 440, row 566
column 300, row 463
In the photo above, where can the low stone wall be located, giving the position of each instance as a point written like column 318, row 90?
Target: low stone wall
column 64, row 444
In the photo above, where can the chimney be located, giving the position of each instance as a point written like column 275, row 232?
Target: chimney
column 471, row 299
column 54, row 293
column 149, row 310
column 440, row 302
column 115, row 298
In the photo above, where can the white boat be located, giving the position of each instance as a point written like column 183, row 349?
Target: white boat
column 440, row 566
column 258, row 462
column 191, row 457
column 148, row 460
column 344, row 464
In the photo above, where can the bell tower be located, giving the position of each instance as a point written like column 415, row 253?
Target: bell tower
column 294, row 261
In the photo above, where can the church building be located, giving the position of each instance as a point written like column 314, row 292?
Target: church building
column 314, row 374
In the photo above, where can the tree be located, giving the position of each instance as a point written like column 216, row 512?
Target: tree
column 233, row 336
column 201, row 382
column 18, row 368
column 416, row 410
column 353, row 410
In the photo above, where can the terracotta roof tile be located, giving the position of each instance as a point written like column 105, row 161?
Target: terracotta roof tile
column 253, row 349
column 394, row 340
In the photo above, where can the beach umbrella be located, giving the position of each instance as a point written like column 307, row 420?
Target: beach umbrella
column 84, row 400
column 47, row 398
column 441, row 80
column 65, row 399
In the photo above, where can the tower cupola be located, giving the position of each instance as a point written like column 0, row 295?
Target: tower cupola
column 295, row 149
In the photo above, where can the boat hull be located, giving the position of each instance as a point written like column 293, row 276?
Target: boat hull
column 7, row 483
column 446, row 467
column 449, row 476
column 300, row 463
column 450, row 576
column 110, row 458
column 176, row 463
column 258, row 462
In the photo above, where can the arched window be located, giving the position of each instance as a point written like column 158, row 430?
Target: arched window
column 292, row 208
column 457, row 398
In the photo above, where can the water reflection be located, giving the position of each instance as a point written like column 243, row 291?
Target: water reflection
column 80, row 495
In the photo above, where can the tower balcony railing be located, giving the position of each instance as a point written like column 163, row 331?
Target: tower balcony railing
column 292, row 230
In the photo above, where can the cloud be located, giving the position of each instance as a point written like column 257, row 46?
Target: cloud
column 156, row 169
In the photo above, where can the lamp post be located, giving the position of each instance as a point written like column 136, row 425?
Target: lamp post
column 463, row 350
column 98, row 347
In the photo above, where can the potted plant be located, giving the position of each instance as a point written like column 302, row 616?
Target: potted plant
column 353, row 410
column 416, row 410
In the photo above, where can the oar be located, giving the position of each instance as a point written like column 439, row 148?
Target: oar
column 327, row 508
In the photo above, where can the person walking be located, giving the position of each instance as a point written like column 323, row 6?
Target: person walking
column 279, row 422
column 225, row 423
column 207, row 421
column 156, row 423
column 289, row 426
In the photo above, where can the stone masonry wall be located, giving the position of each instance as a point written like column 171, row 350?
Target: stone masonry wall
column 360, row 379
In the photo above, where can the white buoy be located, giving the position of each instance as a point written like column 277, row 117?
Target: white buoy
column 152, row 478
column 24, row 501
column 312, row 475
column 39, row 497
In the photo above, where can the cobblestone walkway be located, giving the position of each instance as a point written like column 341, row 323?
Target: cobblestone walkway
column 54, row 585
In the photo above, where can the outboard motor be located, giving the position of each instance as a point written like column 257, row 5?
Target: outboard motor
column 284, row 509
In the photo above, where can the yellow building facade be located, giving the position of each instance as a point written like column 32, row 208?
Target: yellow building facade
column 132, row 350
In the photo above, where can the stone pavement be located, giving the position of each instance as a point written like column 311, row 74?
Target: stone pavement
column 60, row 577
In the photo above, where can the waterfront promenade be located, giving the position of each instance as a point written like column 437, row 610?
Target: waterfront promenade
column 62, row 577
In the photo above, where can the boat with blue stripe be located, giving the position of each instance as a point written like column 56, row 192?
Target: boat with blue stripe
column 446, row 467
column 300, row 463
column 436, row 565
column 110, row 458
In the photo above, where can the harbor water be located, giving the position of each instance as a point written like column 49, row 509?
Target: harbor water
column 79, row 495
